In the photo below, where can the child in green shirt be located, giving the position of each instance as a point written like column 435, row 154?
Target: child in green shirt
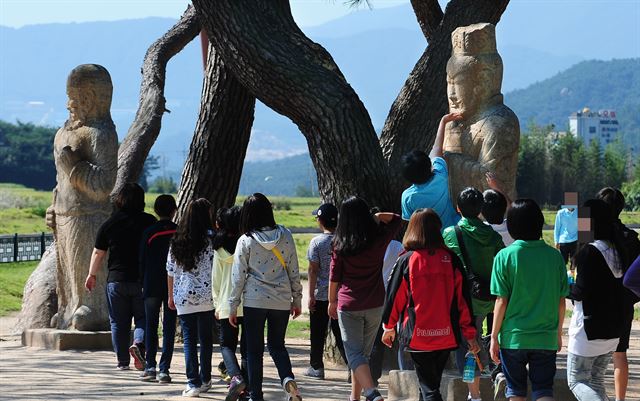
column 530, row 281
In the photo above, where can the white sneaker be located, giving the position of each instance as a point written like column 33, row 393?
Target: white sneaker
column 206, row 386
column 314, row 373
column 191, row 392
column 291, row 388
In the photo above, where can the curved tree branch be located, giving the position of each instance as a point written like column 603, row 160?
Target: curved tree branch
column 429, row 16
column 267, row 52
column 214, row 165
column 146, row 126
column 413, row 119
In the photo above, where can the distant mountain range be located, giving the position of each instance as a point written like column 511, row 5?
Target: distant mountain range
column 376, row 50
column 596, row 84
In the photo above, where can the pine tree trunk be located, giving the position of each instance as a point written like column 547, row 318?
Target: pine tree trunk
column 278, row 64
column 214, row 165
column 416, row 112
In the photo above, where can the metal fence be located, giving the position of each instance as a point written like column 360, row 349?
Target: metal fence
column 23, row 247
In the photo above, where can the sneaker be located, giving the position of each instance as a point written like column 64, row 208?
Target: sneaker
column 164, row 378
column 122, row 367
column 291, row 388
column 205, row 387
column 236, row 388
column 499, row 387
column 314, row 373
column 148, row 375
column 191, row 392
column 374, row 396
column 137, row 353
column 222, row 370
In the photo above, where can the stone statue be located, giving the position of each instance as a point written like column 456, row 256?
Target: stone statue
column 86, row 157
column 487, row 137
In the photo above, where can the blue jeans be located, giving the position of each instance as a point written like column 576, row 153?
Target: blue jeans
column 197, row 327
column 358, row 329
column 542, row 371
column 152, row 312
column 586, row 376
column 254, row 320
column 228, row 345
column 124, row 301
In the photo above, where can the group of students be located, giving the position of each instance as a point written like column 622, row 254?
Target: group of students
column 455, row 268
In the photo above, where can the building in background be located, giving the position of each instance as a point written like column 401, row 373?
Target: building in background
column 590, row 125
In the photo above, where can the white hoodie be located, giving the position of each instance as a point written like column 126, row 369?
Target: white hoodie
column 259, row 278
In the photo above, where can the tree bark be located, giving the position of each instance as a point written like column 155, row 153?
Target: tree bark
column 416, row 112
column 267, row 52
column 214, row 165
column 146, row 126
column 429, row 15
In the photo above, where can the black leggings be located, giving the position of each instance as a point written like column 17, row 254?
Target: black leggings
column 429, row 367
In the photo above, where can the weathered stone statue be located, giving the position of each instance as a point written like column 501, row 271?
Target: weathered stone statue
column 488, row 136
column 85, row 152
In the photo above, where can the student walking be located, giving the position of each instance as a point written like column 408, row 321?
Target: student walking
column 629, row 250
column 476, row 244
column 529, row 279
column 427, row 296
column 120, row 235
column 265, row 275
column 565, row 232
column 154, row 248
column 598, row 315
column 319, row 256
column 189, row 283
column 356, row 290
column 430, row 179
column 224, row 245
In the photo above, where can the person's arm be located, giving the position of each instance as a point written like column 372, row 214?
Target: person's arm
column 216, row 280
column 293, row 271
column 386, row 217
column 314, row 267
column 437, row 149
column 239, row 273
column 97, row 260
column 561, row 311
column 333, row 299
column 171, row 302
column 632, row 277
column 556, row 231
column 398, row 302
column 499, row 311
column 335, row 281
column 171, row 271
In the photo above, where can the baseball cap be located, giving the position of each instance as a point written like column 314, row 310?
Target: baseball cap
column 327, row 212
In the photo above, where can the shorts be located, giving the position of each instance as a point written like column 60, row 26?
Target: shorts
column 541, row 373
column 358, row 330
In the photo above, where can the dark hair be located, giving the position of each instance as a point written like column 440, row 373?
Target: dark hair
column 356, row 229
column 228, row 229
column 165, row 205
column 601, row 219
column 328, row 224
column 470, row 202
column 256, row 213
column 423, row 231
column 525, row 220
column 614, row 198
column 416, row 167
column 494, row 206
column 130, row 198
column 192, row 234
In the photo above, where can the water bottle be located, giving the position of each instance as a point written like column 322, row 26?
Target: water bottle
column 570, row 277
column 468, row 374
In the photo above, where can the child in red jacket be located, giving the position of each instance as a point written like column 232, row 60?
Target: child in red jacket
column 427, row 294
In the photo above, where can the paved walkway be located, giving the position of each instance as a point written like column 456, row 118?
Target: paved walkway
column 35, row 374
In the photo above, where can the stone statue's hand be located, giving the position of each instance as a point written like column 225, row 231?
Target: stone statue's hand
column 447, row 118
column 493, row 182
column 68, row 158
column 50, row 217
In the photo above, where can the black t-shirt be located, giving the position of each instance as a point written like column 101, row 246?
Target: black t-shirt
column 153, row 258
column 121, row 235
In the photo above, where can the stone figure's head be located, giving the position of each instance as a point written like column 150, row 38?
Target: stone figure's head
column 474, row 71
column 89, row 90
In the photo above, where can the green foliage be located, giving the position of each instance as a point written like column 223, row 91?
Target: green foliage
column 550, row 165
column 13, row 277
column 304, row 191
column 26, row 155
column 150, row 165
column 163, row 185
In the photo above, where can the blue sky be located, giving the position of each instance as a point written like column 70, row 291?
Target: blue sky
column 17, row 13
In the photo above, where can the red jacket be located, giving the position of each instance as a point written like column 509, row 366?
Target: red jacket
column 428, row 295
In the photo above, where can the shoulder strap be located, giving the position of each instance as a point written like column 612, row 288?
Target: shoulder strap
column 463, row 249
column 278, row 254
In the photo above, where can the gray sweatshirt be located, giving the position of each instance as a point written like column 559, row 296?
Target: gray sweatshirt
column 258, row 276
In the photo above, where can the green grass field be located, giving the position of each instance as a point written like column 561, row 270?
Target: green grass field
column 13, row 277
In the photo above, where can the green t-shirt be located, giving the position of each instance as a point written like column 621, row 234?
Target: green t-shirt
column 482, row 244
column 533, row 277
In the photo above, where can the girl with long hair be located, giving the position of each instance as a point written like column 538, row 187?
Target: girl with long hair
column 356, row 290
column 427, row 296
column 265, row 275
column 189, row 281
